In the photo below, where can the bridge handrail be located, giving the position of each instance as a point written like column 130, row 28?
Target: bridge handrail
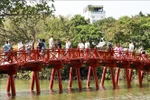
column 65, row 55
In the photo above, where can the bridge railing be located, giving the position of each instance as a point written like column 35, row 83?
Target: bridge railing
column 23, row 56
column 4, row 58
column 7, row 57
column 65, row 55
column 91, row 54
column 105, row 56
column 124, row 55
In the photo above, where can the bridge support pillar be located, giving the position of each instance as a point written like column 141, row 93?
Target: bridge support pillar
column 37, row 82
column 130, row 74
column 95, row 77
column 128, row 77
column 11, row 84
column 52, row 78
column 77, row 68
column 79, row 78
column 103, row 78
column 70, row 78
column 8, row 85
column 59, row 79
column 112, row 76
column 32, row 82
column 117, row 77
column 88, row 77
column 140, row 74
column 35, row 78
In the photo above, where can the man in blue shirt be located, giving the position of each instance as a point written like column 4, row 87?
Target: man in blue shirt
column 6, row 47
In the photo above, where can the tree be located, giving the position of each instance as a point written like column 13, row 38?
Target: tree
column 23, row 7
column 84, row 32
column 106, row 27
column 21, row 19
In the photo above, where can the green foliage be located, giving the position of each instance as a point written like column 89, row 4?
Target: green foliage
column 123, row 30
column 23, row 8
column 84, row 32
column 21, row 19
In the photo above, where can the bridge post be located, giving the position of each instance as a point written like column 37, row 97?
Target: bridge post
column 112, row 76
column 37, row 82
column 88, row 77
column 32, row 82
column 70, row 78
column 8, row 85
column 95, row 77
column 59, row 80
column 130, row 74
column 52, row 78
column 140, row 74
column 103, row 78
column 127, row 77
column 79, row 78
column 117, row 77
column 12, row 84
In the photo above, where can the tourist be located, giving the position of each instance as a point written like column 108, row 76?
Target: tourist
column 68, row 44
column 118, row 49
column 9, row 44
column 131, row 47
column 109, row 46
column 81, row 45
column 20, row 46
column 43, row 46
column 87, row 44
column 7, row 50
column 6, row 47
column 32, row 42
column 28, row 46
column 51, row 42
column 58, row 44
column 40, row 45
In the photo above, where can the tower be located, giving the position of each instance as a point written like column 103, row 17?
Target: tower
column 94, row 12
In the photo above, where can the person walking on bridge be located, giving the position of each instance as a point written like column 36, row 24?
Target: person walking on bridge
column 58, row 44
column 81, row 45
column 117, row 50
column 51, row 43
column 131, row 47
column 87, row 44
column 68, row 46
column 6, row 49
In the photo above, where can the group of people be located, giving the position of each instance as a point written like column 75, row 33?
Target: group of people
column 131, row 48
column 119, row 48
column 42, row 45
column 81, row 45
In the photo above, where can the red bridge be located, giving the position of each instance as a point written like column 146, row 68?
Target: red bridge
column 34, row 61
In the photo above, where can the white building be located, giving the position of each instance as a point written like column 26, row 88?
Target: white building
column 94, row 12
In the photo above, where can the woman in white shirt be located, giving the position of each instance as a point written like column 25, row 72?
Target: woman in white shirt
column 51, row 42
column 87, row 44
column 131, row 47
column 68, row 44
column 81, row 45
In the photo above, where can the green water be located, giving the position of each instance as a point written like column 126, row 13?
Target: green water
column 123, row 93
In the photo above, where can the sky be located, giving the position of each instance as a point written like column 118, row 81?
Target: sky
column 113, row 8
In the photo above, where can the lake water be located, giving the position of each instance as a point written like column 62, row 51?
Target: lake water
column 123, row 93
